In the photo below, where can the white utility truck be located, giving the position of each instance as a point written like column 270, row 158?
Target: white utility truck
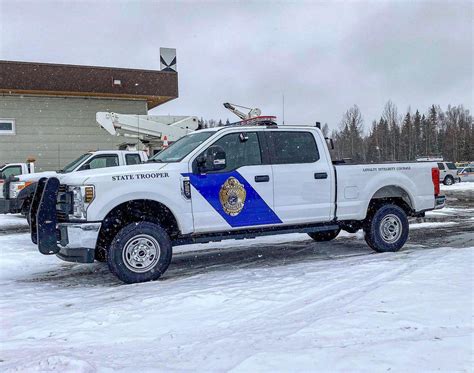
column 18, row 190
column 226, row 183
column 14, row 169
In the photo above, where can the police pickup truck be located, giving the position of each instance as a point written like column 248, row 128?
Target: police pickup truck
column 226, row 183
column 18, row 190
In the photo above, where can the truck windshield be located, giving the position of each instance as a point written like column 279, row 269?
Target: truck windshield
column 71, row 166
column 181, row 148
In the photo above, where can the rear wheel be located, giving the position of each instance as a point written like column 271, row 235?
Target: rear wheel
column 448, row 180
column 324, row 236
column 139, row 252
column 387, row 230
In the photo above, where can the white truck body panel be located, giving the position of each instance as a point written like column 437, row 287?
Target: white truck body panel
column 293, row 195
column 357, row 184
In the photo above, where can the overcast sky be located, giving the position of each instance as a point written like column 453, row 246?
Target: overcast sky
column 323, row 56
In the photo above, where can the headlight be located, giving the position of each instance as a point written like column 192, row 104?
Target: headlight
column 16, row 187
column 82, row 196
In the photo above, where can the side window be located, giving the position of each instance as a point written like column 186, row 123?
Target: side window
column 242, row 149
column 294, row 147
column 101, row 161
column 132, row 159
column 451, row 166
column 441, row 166
column 10, row 171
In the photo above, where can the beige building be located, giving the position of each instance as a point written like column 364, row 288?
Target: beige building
column 48, row 111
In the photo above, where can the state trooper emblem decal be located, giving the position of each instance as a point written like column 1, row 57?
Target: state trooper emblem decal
column 232, row 196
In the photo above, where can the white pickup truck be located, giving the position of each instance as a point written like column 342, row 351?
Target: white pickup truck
column 222, row 183
column 14, row 169
column 18, row 189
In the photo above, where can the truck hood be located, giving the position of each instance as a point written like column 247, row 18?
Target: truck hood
column 88, row 176
column 37, row 175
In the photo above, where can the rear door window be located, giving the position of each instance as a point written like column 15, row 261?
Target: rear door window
column 293, row 147
column 451, row 166
column 441, row 166
column 132, row 159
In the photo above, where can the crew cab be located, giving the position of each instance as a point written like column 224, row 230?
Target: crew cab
column 223, row 183
column 18, row 189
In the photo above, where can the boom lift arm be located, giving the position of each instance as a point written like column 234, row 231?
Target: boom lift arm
column 251, row 114
column 147, row 127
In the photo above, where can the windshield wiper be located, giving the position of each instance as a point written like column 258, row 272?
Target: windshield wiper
column 154, row 161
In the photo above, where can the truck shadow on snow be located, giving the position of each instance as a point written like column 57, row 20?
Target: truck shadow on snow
column 242, row 256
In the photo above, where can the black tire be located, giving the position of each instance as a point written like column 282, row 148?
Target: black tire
column 448, row 180
column 387, row 230
column 324, row 236
column 136, row 242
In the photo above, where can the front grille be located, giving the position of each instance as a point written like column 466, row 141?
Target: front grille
column 63, row 204
column 61, row 216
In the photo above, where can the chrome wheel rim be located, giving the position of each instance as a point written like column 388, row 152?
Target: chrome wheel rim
column 391, row 228
column 141, row 253
column 449, row 181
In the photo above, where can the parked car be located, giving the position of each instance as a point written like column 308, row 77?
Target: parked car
column 448, row 173
column 229, row 182
column 467, row 173
column 18, row 192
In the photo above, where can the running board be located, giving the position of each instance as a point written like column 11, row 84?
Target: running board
column 253, row 233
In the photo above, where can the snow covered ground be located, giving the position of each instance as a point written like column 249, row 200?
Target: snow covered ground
column 458, row 186
column 281, row 303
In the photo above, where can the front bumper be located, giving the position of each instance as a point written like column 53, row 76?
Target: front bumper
column 72, row 242
column 440, row 202
column 77, row 241
column 9, row 206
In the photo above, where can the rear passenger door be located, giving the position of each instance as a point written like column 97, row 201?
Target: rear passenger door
column 302, row 177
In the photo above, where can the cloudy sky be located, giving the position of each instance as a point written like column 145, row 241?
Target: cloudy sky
column 323, row 56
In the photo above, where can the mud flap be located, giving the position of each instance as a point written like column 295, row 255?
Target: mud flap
column 46, row 218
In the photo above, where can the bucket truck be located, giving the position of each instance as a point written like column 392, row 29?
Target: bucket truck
column 152, row 130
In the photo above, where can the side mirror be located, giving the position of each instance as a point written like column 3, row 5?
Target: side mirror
column 85, row 167
column 214, row 159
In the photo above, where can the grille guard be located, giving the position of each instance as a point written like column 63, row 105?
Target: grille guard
column 43, row 216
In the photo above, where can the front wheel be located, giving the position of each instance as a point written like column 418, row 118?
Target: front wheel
column 387, row 230
column 139, row 252
column 325, row 235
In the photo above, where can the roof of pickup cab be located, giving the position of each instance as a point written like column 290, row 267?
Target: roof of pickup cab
column 273, row 127
column 115, row 151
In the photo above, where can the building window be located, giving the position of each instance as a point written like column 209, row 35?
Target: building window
column 7, row 126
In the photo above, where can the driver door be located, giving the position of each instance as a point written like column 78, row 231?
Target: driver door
column 240, row 195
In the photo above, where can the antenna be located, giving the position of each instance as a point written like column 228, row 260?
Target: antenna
column 283, row 108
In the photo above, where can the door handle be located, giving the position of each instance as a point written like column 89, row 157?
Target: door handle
column 320, row 175
column 262, row 178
